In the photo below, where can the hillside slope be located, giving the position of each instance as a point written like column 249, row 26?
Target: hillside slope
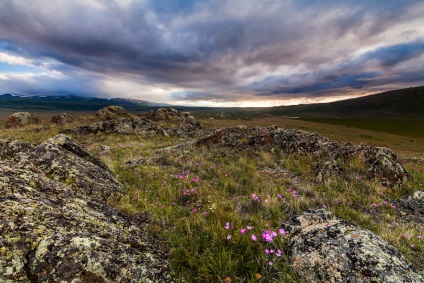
column 397, row 103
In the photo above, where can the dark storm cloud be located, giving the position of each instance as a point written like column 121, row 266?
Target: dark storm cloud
column 217, row 49
column 392, row 55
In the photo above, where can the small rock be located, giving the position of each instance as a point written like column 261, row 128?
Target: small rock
column 64, row 118
column 413, row 206
column 104, row 149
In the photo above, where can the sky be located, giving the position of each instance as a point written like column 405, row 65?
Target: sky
column 211, row 52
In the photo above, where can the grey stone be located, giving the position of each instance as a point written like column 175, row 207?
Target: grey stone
column 324, row 248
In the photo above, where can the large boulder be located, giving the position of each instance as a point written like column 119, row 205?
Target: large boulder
column 112, row 112
column 181, row 122
column 56, row 230
column 131, row 126
column 324, row 248
column 64, row 118
column 20, row 119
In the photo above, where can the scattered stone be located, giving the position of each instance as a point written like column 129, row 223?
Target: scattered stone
column 131, row 126
column 104, row 149
column 20, row 119
column 64, row 118
column 56, row 227
column 324, row 248
column 112, row 112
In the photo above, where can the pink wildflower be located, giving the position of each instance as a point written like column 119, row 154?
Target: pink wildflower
column 282, row 231
column 268, row 235
column 227, row 225
column 254, row 238
column 228, row 237
column 278, row 253
column 404, row 235
column 270, row 263
column 242, row 230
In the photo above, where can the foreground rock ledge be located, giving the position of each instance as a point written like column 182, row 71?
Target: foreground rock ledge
column 57, row 229
column 327, row 249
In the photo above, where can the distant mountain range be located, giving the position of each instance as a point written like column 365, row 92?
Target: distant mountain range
column 16, row 102
column 402, row 103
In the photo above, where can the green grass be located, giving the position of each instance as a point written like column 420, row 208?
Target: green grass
column 413, row 128
column 190, row 195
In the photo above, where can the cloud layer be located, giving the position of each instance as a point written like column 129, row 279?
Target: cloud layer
column 222, row 52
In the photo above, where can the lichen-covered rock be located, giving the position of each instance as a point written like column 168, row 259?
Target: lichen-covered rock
column 185, row 124
column 9, row 148
column 324, row 248
column 64, row 118
column 55, row 232
column 387, row 170
column 229, row 137
column 64, row 160
column 413, row 207
column 20, row 119
column 379, row 163
column 327, row 169
column 112, row 112
column 130, row 126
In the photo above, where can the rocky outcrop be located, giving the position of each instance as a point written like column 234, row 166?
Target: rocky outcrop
column 131, row 126
column 56, row 226
column 379, row 163
column 327, row 169
column 112, row 112
column 20, row 119
column 184, row 123
column 324, row 248
column 64, row 160
column 64, row 118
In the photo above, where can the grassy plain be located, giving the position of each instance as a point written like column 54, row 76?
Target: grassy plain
column 209, row 205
